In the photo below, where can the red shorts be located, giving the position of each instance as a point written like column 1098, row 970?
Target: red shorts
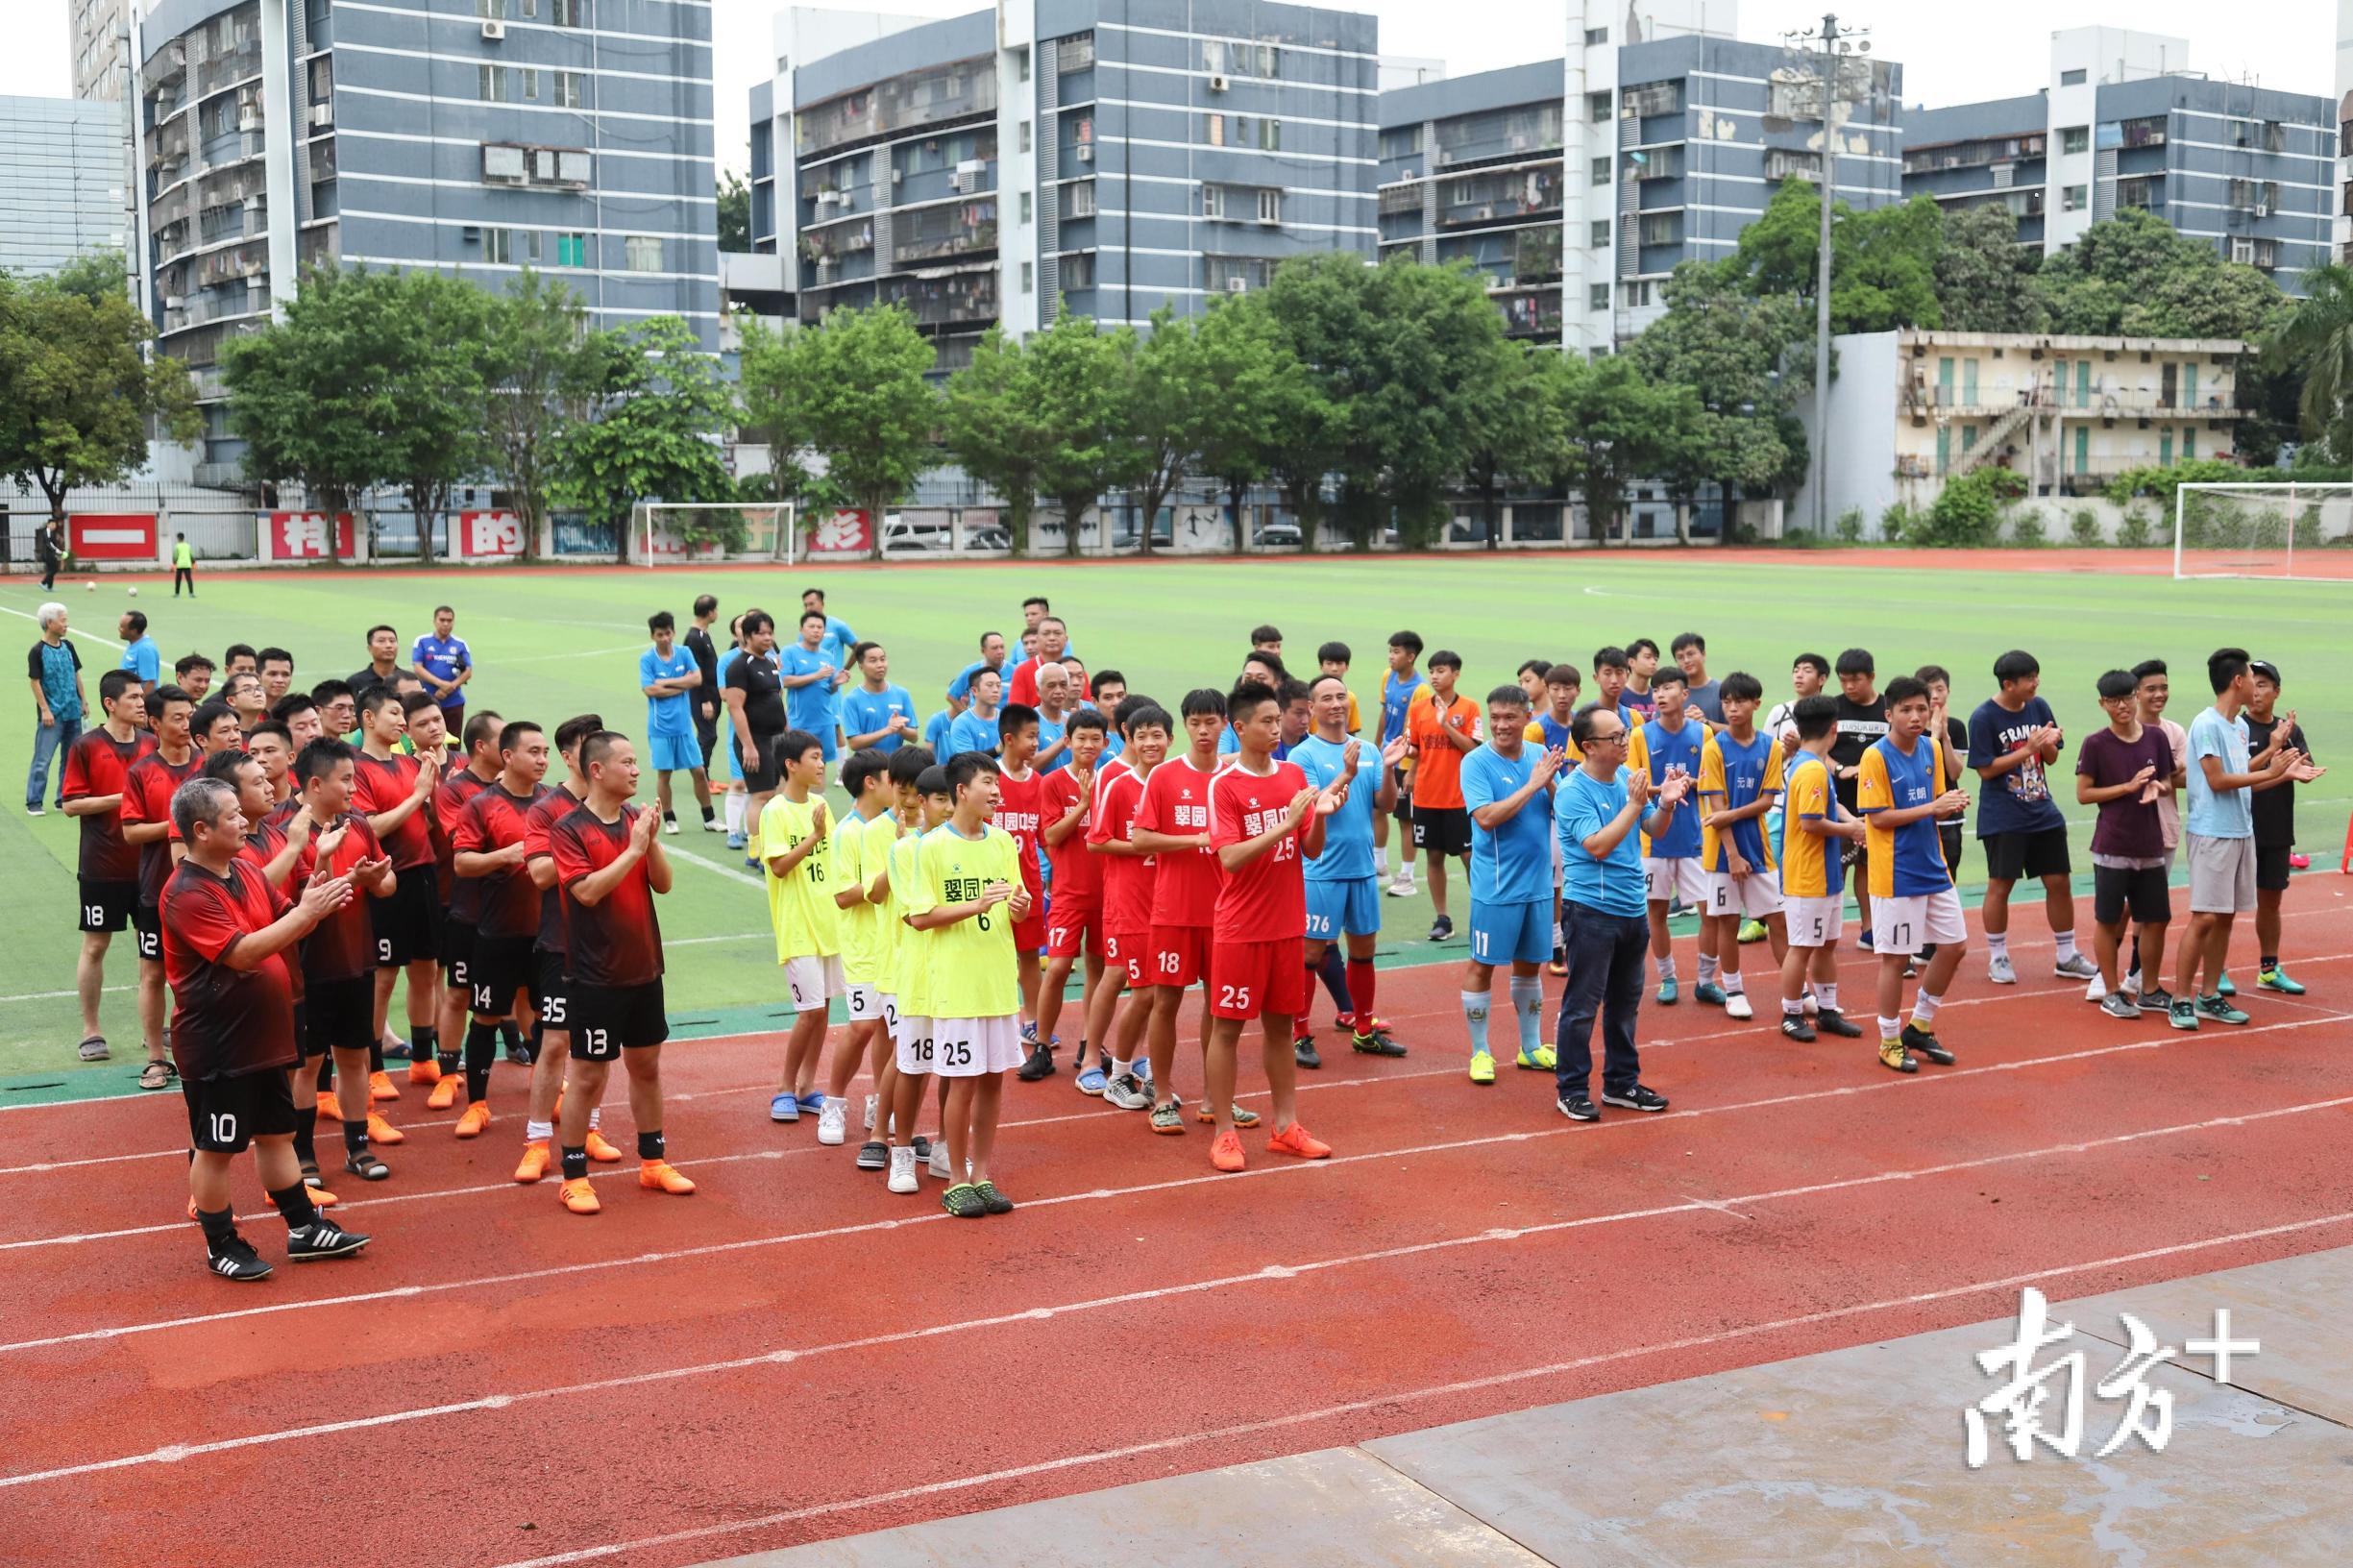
column 1180, row 955
column 1029, row 935
column 1260, row 978
column 1071, row 922
column 1129, row 951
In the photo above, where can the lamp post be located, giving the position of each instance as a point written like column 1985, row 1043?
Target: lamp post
column 1828, row 84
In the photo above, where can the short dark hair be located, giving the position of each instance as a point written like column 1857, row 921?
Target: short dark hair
column 1203, row 699
column 334, row 689
column 819, row 592
column 268, row 726
column 1244, row 700
column 1012, row 717
column 1815, row 716
column 1446, row 658
column 933, row 780
column 137, row 620
column 273, row 655
column 1038, row 600
column 1509, row 693
column 859, row 650
column 239, row 651
column 1814, row 662
column 1641, row 644
column 480, row 727
column 966, row 766
column 2116, row 684
column 1668, row 676
column 1542, row 667
column 443, row 609
column 515, row 732
column 818, row 616
column 908, row 762
column 284, row 709
column 377, row 698
column 794, row 744
column 211, row 711
column 1293, row 690
column 1740, row 686
column 416, row 703
column 167, row 694
column 755, row 622
column 191, row 661
column 1934, row 674
column 378, row 627
column 1271, row 662
column 1046, row 621
column 1612, row 658
column 707, row 604
column 1085, row 719
column 1102, row 678
column 1687, row 639
column 2016, row 665
column 224, row 766
column 1410, row 641
column 114, row 682
column 2146, row 668
column 1904, row 688
column 865, row 764
column 2225, row 664
column 986, row 635
column 596, row 746
column 1580, row 725
column 661, row 621
column 1143, row 713
column 319, row 758
column 1562, row 672
column 573, row 730
column 1857, row 661
column 1334, row 653
column 1268, row 633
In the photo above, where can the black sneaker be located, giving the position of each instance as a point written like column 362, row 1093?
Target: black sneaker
column 1576, row 1108
column 1304, row 1052
column 1376, row 1044
column 322, row 1237
column 521, row 1053
column 1636, row 1098
column 1441, row 929
column 874, row 1156
column 1925, row 1044
column 1039, row 1064
column 1832, row 1021
column 992, row 1201
column 964, row 1201
column 2156, row 999
column 1795, row 1027
column 236, row 1259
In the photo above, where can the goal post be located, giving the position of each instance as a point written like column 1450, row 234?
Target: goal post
column 2279, row 529
column 660, row 530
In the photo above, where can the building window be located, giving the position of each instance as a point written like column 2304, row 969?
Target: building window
column 1214, row 126
column 1022, row 56
column 641, row 253
column 1601, row 233
column 1270, row 206
column 571, row 250
column 1270, row 136
column 493, row 9
column 2075, row 138
column 1029, row 276
column 564, row 12
column 498, row 247
column 1078, row 270
column 1082, row 199
column 1024, row 147
column 1597, row 297
column 567, row 88
column 1637, row 293
column 1596, row 37
column 2072, row 78
column 1025, row 208
column 1598, row 108
column 527, row 84
column 2074, row 198
column 1601, row 171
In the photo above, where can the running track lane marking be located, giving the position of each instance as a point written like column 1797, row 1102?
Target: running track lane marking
column 173, row 1453
column 1097, row 1195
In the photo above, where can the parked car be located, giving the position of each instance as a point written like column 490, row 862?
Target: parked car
column 1278, row 536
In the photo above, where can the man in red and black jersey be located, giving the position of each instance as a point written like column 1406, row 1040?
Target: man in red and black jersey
column 146, row 826
column 393, row 791
column 461, row 897
column 233, row 1027
column 488, row 847
column 550, row 979
column 610, row 865
column 96, row 767
column 339, row 957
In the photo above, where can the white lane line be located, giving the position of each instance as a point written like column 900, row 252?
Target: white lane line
column 781, row 1355
column 52, row 995
column 71, row 630
column 1174, row 1184
column 736, row 872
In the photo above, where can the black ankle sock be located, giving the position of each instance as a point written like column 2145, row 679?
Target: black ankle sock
column 424, row 1042
column 481, row 1052
column 447, row 1062
column 649, row 1144
column 294, row 1207
column 509, row 1035
column 575, row 1162
column 355, row 1138
column 327, row 1072
column 306, row 1134
column 375, row 1056
column 219, row 1228
column 2271, row 961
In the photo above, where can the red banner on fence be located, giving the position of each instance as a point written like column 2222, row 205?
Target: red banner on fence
column 489, row 535
column 306, row 537
column 111, row 537
column 846, row 532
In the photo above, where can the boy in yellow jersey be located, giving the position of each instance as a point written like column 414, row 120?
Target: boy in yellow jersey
column 966, row 898
column 864, row 835
column 793, row 838
column 1813, row 874
column 1901, row 793
column 1740, row 778
column 923, row 805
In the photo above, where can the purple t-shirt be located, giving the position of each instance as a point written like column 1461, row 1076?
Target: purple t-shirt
column 2127, row 829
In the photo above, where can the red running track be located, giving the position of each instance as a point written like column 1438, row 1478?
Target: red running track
column 793, row 1354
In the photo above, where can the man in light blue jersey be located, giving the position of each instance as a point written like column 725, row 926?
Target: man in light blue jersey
column 975, row 729
column 991, row 658
column 835, row 646
column 1507, row 789
column 875, row 712
column 1342, row 883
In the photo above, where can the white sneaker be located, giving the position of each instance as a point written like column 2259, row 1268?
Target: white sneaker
column 1736, row 1005
column 669, row 826
column 1998, row 970
column 2096, row 990
column 1400, row 885
column 940, row 1166
column 902, row 1170
column 872, row 1103
column 832, row 1120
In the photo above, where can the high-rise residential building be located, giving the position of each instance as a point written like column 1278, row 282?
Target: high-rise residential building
column 1062, row 155
column 2123, row 122
column 1578, row 185
column 2344, row 129
column 99, row 32
column 60, row 182
column 572, row 137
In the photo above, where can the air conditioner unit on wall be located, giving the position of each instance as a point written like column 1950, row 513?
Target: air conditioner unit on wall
column 1237, row 285
column 1084, row 153
column 1219, row 83
column 494, row 31
column 323, row 114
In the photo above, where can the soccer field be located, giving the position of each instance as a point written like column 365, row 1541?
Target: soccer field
column 552, row 642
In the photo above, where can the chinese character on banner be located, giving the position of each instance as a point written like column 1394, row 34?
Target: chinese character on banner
column 843, row 532
column 490, row 534
column 310, row 536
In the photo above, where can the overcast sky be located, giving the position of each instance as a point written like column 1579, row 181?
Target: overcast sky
column 1949, row 54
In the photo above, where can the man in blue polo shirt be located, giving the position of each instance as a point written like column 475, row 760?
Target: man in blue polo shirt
column 835, row 646
column 140, row 655
column 1599, row 811
column 874, row 712
column 668, row 674
column 445, row 664
column 808, row 675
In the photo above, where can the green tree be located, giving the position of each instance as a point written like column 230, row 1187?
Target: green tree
column 305, row 396
column 1515, row 434
column 1984, row 277
column 992, row 428
column 734, row 213
column 80, row 394
column 1169, row 412
column 1258, row 406
column 1882, row 261
column 537, row 380
column 2135, row 275
column 1079, row 380
column 1731, row 346
column 1619, row 427
column 432, row 390
column 657, row 406
column 864, row 403
column 2314, row 344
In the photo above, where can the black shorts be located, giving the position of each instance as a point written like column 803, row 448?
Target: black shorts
column 2271, row 867
column 107, row 906
column 610, row 1020
column 2117, row 888
column 458, row 941
column 1442, row 830
column 759, row 771
column 1403, row 810
column 408, row 924
column 148, row 923
column 552, row 989
column 501, row 967
column 225, row 1115
column 2016, row 857
column 1949, row 833
column 338, row 1015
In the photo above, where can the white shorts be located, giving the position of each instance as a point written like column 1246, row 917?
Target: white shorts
column 911, row 1037
column 1815, row 923
column 1683, row 877
column 889, row 1015
column 1906, row 925
column 865, row 1002
column 973, row 1048
column 1754, row 896
column 814, row 980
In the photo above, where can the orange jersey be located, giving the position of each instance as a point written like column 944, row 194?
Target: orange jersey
column 1437, row 762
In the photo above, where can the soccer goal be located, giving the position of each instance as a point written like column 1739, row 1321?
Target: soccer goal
column 683, row 533
column 2274, row 529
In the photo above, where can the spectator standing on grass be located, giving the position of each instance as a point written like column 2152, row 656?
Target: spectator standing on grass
column 1690, row 652
column 672, row 681
column 2013, row 737
column 53, row 668
column 2274, row 825
column 382, row 667
column 836, row 644
column 705, row 702
column 183, row 565
column 809, row 668
column 445, row 664
column 50, row 545
column 2119, row 770
column 754, row 689
column 140, row 655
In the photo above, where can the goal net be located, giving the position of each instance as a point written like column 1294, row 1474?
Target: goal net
column 2273, row 530
column 681, row 534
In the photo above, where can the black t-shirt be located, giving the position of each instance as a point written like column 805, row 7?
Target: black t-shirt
column 1956, row 750
column 762, row 684
column 1860, row 724
column 706, row 659
column 366, row 679
column 2274, row 807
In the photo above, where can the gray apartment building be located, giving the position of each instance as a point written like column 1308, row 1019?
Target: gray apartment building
column 1060, row 155
column 1579, row 185
column 60, row 182
column 2123, row 123
column 472, row 136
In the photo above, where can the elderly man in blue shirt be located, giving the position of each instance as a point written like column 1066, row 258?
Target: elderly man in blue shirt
column 1600, row 813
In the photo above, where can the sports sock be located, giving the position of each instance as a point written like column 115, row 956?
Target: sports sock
column 706, row 814
column 1666, row 966
column 1826, row 995
column 2271, row 961
column 447, row 1060
column 375, row 1056
column 595, row 1117
column 306, row 1131
column 1793, row 1007
column 1708, row 967
column 481, row 1052
column 1998, row 944
column 1891, row 1028
column 575, row 1162
column 424, row 1042
column 1528, row 1001
column 355, row 1136
column 1361, row 986
column 294, row 1207
column 219, row 1226
column 1304, row 1022
column 1923, row 1010
column 327, row 1072
column 509, row 1036
column 2066, row 944
column 2133, row 965
column 1734, row 985
column 1120, row 1069
column 1475, row 1015
column 649, row 1144
column 1333, row 969
column 1927, row 952
column 736, row 806
column 538, row 1132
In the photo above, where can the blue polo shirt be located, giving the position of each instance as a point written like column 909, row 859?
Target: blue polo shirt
column 441, row 658
column 144, row 659
column 864, row 712
column 971, row 732
column 1510, row 863
column 808, row 707
column 664, row 715
column 1582, row 806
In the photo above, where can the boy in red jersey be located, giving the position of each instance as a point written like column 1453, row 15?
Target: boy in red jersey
column 1264, row 816
column 97, row 765
column 1075, row 921
column 1130, row 882
column 394, row 790
column 1172, row 825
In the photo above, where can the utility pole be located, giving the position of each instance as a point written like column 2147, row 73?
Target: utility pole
column 1829, row 85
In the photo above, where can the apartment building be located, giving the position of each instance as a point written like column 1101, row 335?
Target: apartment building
column 60, row 182
column 472, row 136
column 99, row 34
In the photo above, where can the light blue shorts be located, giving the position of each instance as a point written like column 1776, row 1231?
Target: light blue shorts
column 1512, row 933
column 1343, row 907
column 674, row 754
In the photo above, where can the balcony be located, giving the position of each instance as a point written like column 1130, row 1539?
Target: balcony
column 1532, row 314
column 241, row 221
column 907, row 103
column 169, row 65
column 969, row 298
column 225, row 70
